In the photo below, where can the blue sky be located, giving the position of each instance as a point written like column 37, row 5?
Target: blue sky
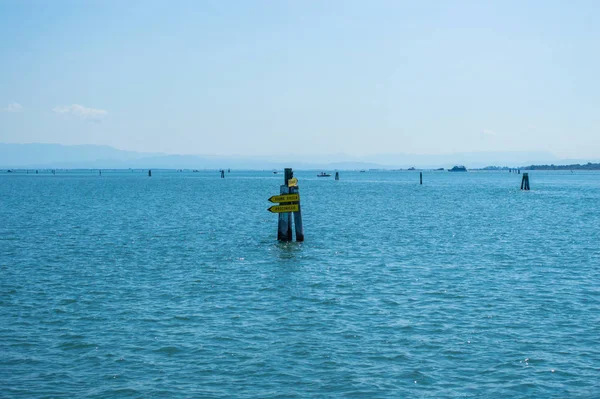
column 303, row 77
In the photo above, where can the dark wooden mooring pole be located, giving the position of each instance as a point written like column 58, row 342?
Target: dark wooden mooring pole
column 149, row 173
column 284, row 228
column 298, row 217
column 525, row 182
column 420, row 177
column 337, row 175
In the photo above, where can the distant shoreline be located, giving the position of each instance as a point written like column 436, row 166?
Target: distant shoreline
column 588, row 166
column 32, row 170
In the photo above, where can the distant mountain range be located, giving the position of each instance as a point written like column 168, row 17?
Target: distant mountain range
column 99, row 156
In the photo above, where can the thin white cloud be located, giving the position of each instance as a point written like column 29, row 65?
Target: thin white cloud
column 81, row 112
column 13, row 107
column 488, row 132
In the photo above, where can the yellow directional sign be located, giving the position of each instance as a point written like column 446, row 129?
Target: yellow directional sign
column 285, row 198
column 284, row 208
column 293, row 182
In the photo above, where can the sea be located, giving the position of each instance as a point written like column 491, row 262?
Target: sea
column 121, row 285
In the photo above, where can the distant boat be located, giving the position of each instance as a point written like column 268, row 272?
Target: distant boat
column 363, row 171
column 323, row 174
column 275, row 172
column 458, row 168
column 440, row 169
column 411, row 168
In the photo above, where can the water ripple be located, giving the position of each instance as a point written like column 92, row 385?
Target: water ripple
column 130, row 287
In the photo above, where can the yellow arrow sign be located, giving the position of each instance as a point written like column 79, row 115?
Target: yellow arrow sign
column 284, row 208
column 285, row 198
column 293, row 182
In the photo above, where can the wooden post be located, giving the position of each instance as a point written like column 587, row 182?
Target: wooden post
column 525, row 182
column 149, row 173
column 284, row 227
column 337, row 175
column 420, row 177
column 222, row 173
column 287, row 175
column 99, row 172
column 298, row 217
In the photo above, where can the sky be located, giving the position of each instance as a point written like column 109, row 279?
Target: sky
column 260, row 78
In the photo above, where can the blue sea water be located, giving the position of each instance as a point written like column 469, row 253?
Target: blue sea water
column 174, row 286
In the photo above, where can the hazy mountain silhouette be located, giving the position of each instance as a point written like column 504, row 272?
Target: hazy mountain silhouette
column 100, row 156
column 55, row 155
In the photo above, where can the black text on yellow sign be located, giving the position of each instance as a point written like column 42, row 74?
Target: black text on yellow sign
column 285, row 198
column 284, row 208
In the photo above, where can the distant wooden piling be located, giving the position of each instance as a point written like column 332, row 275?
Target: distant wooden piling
column 525, row 182
column 99, row 172
column 222, row 173
column 337, row 175
column 149, row 173
column 420, row 177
